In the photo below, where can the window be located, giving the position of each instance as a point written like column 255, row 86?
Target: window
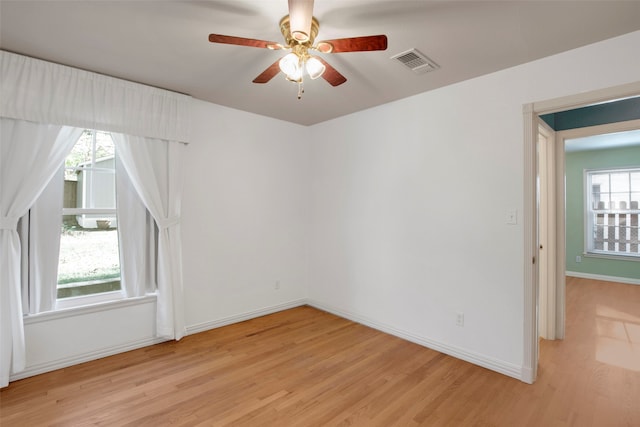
column 612, row 207
column 89, row 260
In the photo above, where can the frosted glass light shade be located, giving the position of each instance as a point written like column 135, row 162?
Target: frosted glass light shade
column 315, row 68
column 290, row 66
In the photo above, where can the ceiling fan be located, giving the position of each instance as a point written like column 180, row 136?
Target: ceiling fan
column 300, row 29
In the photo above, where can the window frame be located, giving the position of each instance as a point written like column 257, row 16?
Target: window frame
column 590, row 212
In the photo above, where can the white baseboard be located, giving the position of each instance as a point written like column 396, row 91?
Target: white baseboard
column 81, row 358
column 205, row 326
column 505, row 368
column 499, row 366
column 626, row 280
column 527, row 375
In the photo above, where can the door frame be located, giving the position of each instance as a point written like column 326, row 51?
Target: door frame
column 531, row 113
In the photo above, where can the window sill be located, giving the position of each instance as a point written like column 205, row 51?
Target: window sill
column 89, row 299
column 62, row 313
column 614, row 257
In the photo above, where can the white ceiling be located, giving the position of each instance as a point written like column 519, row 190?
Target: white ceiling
column 603, row 142
column 165, row 44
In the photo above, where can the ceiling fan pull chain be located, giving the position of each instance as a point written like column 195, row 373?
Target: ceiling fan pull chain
column 300, row 89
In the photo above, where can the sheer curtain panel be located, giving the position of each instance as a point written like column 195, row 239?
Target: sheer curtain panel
column 30, row 154
column 136, row 237
column 155, row 169
column 42, row 240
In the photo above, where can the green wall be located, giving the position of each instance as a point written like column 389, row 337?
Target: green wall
column 576, row 163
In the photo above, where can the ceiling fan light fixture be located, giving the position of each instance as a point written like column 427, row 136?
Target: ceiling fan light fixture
column 314, row 67
column 296, row 77
column 290, row 65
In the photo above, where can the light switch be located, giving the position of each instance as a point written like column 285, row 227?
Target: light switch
column 512, row 216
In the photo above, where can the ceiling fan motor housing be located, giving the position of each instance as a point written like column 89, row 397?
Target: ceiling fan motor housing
column 285, row 29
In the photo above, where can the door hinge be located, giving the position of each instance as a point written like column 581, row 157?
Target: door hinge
column 534, row 260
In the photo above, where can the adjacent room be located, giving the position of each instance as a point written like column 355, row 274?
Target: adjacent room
column 319, row 213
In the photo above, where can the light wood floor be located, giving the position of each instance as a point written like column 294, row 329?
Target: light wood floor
column 304, row 367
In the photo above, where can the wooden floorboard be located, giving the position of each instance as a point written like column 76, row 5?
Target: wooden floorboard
column 305, row 367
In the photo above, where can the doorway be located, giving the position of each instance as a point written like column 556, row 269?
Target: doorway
column 532, row 113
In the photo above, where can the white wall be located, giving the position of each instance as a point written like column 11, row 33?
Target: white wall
column 410, row 199
column 244, row 228
column 63, row 338
column 245, row 215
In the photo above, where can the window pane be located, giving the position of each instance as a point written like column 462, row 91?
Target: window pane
column 635, row 181
column 90, row 172
column 89, row 260
column 80, row 153
column 619, row 200
column 601, row 180
column 620, row 182
column 97, row 187
column 89, row 257
column 619, row 190
column 599, row 191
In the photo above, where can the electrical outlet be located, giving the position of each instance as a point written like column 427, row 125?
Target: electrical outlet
column 276, row 285
column 459, row 318
column 578, row 258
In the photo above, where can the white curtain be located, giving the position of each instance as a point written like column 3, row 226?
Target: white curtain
column 136, row 237
column 155, row 169
column 40, row 241
column 44, row 92
column 30, row 154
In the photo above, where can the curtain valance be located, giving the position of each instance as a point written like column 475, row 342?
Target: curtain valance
column 44, row 92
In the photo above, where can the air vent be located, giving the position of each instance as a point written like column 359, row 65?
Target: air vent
column 416, row 61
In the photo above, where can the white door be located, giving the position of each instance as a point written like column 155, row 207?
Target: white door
column 546, row 232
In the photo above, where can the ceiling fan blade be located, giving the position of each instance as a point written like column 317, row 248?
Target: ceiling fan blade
column 331, row 74
column 354, row 44
column 269, row 73
column 241, row 41
column 300, row 15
